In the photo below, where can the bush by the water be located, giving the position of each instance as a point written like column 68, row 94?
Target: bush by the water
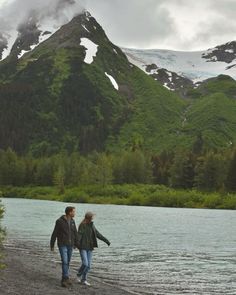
column 129, row 194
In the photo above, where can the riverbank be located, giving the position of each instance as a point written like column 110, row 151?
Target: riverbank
column 1, row 233
column 137, row 195
column 27, row 272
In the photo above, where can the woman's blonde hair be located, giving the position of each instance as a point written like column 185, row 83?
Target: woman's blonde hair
column 88, row 217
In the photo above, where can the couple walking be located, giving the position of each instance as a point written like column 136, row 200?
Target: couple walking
column 69, row 238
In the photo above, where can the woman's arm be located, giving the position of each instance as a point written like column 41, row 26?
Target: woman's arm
column 80, row 234
column 101, row 237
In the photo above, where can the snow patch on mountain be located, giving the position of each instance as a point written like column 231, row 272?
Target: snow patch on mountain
column 113, row 81
column 22, row 53
column 26, row 51
column 48, row 27
column 229, row 50
column 91, row 49
column 85, row 28
column 166, row 86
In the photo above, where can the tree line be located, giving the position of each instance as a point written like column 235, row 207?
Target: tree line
column 209, row 171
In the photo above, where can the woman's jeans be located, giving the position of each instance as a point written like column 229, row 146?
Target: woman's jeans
column 66, row 253
column 86, row 257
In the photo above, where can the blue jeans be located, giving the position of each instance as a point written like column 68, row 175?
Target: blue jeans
column 66, row 253
column 86, row 257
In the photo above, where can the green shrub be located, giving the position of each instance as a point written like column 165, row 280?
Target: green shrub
column 128, row 194
column 212, row 201
column 74, row 196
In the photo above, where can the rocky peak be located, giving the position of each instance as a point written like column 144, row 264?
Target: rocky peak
column 169, row 79
column 28, row 35
column 224, row 53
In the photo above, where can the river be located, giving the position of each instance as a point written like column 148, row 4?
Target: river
column 153, row 250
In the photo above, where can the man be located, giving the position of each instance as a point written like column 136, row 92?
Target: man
column 67, row 238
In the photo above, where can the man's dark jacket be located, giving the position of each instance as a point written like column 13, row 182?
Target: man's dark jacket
column 66, row 235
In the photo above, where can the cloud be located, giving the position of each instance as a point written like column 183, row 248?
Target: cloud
column 14, row 12
column 172, row 24
column 134, row 23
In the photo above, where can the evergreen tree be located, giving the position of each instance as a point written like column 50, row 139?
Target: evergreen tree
column 12, row 168
column 210, row 172
column 161, row 165
column 231, row 175
column 59, row 179
column 104, row 170
column 182, row 170
column 45, row 172
column 136, row 168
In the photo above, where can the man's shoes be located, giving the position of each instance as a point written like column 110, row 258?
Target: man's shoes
column 63, row 283
column 66, row 282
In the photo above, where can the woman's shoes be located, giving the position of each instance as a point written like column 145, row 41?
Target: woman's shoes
column 86, row 283
column 80, row 281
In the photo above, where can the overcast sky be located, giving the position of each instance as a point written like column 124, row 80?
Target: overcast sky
column 170, row 24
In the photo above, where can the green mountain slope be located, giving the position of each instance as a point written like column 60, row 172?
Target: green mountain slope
column 221, row 84
column 50, row 99
column 211, row 114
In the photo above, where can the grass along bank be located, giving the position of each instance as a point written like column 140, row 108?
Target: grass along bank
column 138, row 195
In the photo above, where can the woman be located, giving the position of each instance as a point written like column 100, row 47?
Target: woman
column 87, row 236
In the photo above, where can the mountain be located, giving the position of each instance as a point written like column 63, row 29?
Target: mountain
column 194, row 67
column 211, row 114
column 221, row 84
column 71, row 88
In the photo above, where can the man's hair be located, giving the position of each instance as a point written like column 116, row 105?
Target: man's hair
column 69, row 209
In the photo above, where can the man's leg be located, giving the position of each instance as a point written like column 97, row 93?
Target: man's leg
column 64, row 260
column 69, row 255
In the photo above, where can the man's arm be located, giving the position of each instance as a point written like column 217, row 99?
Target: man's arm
column 54, row 236
column 76, row 235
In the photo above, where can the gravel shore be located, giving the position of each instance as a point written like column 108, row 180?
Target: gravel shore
column 27, row 273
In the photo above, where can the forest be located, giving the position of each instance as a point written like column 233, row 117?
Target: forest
column 135, row 177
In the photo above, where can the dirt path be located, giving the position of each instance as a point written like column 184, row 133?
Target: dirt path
column 31, row 275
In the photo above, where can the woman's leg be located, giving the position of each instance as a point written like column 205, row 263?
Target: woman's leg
column 83, row 255
column 88, row 267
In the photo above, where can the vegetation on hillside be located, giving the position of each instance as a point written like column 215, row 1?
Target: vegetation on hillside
column 50, row 100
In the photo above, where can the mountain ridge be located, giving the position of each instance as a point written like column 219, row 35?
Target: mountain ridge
column 77, row 91
column 192, row 66
column 61, row 101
